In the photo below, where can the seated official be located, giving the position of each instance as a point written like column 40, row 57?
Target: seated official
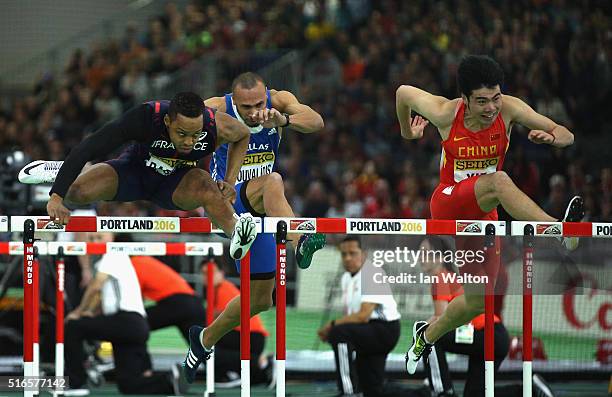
column 112, row 310
column 370, row 328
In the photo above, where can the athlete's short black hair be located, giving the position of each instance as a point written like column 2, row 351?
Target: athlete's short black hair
column 189, row 104
column 350, row 238
column 478, row 71
column 247, row 80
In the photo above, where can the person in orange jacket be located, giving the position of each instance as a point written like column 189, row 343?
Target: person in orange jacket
column 227, row 350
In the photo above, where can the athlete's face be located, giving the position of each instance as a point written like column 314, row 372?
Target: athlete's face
column 184, row 132
column 249, row 101
column 352, row 256
column 485, row 104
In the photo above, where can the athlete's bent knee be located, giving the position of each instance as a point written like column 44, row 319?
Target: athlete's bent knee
column 77, row 193
column 500, row 180
column 200, row 183
column 274, row 180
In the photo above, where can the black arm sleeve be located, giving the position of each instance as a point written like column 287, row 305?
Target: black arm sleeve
column 133, row 125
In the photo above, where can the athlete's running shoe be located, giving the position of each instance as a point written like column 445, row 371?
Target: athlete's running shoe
column 196, row 354
column 419, row 348
column 40, row 171
column 573, row 213
column 243, row 236
column 307, row 246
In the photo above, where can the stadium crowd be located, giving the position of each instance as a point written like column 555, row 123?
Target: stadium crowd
column 555, row 54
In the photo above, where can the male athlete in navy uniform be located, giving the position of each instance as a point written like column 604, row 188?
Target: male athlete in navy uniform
column 260, row 192
column 161, row 166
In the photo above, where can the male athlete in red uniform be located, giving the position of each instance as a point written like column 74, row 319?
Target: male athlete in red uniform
column 475, row 131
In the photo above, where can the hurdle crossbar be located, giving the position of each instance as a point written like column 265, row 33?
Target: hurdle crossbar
column 294, row 225
column 311, row 225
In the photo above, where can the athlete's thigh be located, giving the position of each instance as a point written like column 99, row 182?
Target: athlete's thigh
column 458, row 201
column 244, row 203
column 262, row 287
column 188, row 187
column 484, row 191
column 98, row 182
column 254, row 193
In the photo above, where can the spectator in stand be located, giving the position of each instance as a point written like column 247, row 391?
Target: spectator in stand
column 557, row 199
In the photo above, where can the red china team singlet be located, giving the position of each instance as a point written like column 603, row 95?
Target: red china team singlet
column 465, row 156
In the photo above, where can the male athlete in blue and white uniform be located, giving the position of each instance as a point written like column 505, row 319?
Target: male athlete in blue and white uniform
column 260, row 192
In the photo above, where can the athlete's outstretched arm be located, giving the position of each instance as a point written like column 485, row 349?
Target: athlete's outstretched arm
column 232, row 131
column 131, row 126
column 543, row 129
column 433, row 108
column 302, row 117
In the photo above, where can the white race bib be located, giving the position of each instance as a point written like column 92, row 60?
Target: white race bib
column 465, row 334
column 467, row 168
column 160, row 165
column 167, row 166
column 256, row 165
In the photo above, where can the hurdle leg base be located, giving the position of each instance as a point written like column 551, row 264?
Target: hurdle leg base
column 527, row 378
column 245, row 378
column 210, row 376
column 28, row 370
column 489, row 378
column 280, row 378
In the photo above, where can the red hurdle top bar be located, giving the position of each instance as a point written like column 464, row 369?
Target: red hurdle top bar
column 316, row 225
column 570, row 229
column 303, row 225
column 118, row 224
